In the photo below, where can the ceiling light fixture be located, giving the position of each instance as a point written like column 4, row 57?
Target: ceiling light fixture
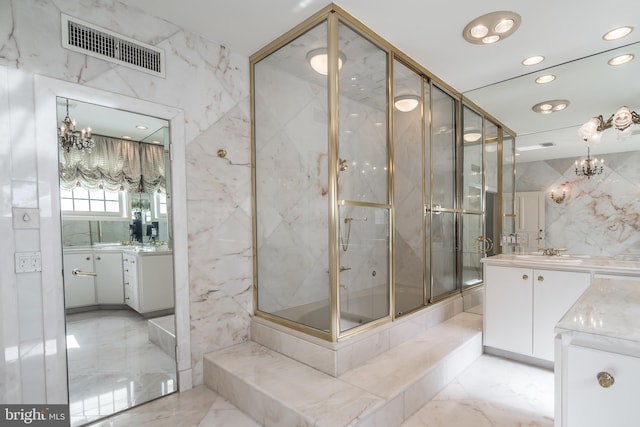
column 533, row 60
column 69, row 137
column 621, row 59
column 406, row 103
column 319, row 60
column 548, row 78
column 491, row 27
column 589, row 167
column 617, row 33
column 472, row 136
column 621, row 120
column 142, row 127
column 551, row 106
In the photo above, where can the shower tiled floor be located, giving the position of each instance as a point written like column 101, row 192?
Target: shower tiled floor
column 491, row 392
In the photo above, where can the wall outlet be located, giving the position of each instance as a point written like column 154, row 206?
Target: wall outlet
column 28, row 262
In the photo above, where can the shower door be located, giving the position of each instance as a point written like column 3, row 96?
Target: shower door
column 363, row 182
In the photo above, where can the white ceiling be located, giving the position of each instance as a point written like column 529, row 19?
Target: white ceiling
column 430, row 32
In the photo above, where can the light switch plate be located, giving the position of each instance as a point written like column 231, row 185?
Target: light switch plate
column 26, row 218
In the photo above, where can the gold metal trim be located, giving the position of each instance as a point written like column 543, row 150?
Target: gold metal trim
column 296, row 326
column 363, row 204
column 334, row 213
column 390, row 187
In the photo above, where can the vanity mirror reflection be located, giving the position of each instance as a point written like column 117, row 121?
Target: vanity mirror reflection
column 118, row 260
column 596, row 214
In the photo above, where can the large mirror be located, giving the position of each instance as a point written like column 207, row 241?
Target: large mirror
column 115, row 201
column 586, row 214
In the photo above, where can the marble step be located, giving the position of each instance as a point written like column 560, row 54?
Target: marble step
column 276, row 390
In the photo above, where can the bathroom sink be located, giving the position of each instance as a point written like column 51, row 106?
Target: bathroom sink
column 568, row 259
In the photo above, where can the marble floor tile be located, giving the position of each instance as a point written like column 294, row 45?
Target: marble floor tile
column 492, row 392
column 113, row 365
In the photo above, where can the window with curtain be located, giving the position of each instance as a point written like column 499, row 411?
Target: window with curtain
column 115, row 165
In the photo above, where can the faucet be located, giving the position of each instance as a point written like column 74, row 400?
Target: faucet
column 552, row 251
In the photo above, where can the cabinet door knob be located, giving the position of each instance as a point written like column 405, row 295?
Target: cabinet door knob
column 98, row 258
column 540, row 279
column 525, row 277
column 605, row 379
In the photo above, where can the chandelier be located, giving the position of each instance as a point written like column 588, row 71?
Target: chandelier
column 69, row 137
column 621, row 120
column 589, row 167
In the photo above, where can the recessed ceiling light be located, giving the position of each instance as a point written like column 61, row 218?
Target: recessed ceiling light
column 491, row 27
column 125, row 137
column 545, row 79
column 551, row 106
column 504, row 26
column 533, row 60
column 479, row 31
column 491, row 39
column 617, row 33
column 156, row 142
column 142, row 127
column 472, row 136
column 622, row 59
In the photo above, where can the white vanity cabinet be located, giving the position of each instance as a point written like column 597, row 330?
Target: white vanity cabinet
column 523, row 305
column 79, row 290
column 148, row 280
column 109, row 279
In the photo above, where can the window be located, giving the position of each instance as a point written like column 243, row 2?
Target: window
column 80, row 201
column 160, row 205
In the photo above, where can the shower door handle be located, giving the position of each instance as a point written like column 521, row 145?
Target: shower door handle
column 78, row 272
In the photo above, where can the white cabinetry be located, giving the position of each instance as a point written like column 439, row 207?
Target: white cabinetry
column 592, row 404
column 523, row 305
column 148, row 281
column 109, row 287
column 79, row 290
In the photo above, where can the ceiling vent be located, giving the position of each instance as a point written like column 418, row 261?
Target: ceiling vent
column 92, row 40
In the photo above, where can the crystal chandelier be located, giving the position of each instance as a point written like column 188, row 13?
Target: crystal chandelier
column 69, row 137
column 589, row 167
column 621, row 120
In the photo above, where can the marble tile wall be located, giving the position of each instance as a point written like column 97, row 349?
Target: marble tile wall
column 204, row 79
column 600, row 215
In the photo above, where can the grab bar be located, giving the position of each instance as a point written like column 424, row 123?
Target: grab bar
column 78, row 272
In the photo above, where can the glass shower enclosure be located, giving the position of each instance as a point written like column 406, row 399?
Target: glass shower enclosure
column 321, row 181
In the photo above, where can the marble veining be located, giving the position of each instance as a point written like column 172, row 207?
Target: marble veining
column 609, row 308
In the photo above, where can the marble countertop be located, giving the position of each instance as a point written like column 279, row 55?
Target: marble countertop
column 609, row 308
column 629, row 266
column 120, row 248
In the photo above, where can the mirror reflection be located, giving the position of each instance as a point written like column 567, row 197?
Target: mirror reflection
column 117, row 257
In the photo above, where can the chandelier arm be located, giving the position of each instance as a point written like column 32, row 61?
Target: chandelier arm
column 602, row 125
column 635, row 118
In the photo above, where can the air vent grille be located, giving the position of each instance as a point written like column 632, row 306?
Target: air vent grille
column 91, row 40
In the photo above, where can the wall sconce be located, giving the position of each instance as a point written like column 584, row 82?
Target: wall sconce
column 563, row 190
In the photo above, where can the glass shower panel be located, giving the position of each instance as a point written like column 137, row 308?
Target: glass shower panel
column 472, row 249
column 442, row 226
column 363, row 152
column 492, row 208
column 291, row 134
column 472, row 159
column 508, row 191
column 408, row 190
column 364, row 265
column 443, row 253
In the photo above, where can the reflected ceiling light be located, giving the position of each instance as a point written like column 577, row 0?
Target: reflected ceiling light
column 491, row 27
column 472, row 136
column 621, row 120
column 125, row 137
column 551, row 106
column 617, row 33
column 533, row 60
column 141, row 127
column 406, row 103
column 548, row 78
column 622, row 59
column 319, row 60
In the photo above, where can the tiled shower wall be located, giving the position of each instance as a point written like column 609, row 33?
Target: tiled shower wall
column 600, row 216
column 205, row 80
